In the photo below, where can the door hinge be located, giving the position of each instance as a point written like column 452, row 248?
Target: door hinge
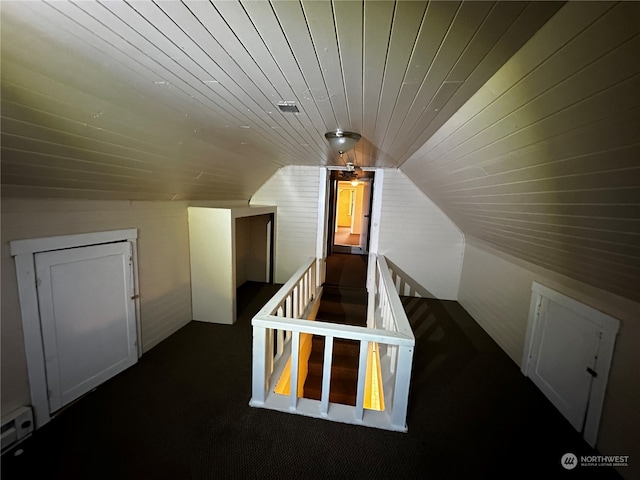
column 38, row 282
column 592, row 372
column 538, row 307
column 49, row 393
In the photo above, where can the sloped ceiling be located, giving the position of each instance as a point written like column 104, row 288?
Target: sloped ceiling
column 544, row 161
column 178, row 100
column 534, row 150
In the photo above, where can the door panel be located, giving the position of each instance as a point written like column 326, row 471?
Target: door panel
column 87, row 317
column 565, row 345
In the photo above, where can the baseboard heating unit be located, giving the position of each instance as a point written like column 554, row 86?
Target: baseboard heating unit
column 16, row 426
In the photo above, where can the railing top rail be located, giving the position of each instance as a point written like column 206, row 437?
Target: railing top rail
column 402, row 322
column 273, row 304
column 318, row 327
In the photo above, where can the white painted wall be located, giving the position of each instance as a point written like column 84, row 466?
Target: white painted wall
column 251, row 249
column 295, row 192
column 212, row 263
column 163, row 259
column 495, row 288
column 419, row 238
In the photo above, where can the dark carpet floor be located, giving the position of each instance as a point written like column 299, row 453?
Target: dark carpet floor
column 346, row 270
column 182, row 413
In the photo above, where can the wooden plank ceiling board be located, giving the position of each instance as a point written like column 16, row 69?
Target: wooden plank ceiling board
column 188, row 91
column 520, row 119
column 543, row 161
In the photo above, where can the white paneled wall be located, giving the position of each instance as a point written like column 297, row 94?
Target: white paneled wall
column 419, row 238
column 163, row 261
column 542, row 162
column 295, row 191
column 495, row 288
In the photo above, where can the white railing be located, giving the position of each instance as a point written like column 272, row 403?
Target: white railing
column 276, row 338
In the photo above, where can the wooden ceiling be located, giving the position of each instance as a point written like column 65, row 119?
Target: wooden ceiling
column 543, row 162
column 521, row 120
column 179, row 100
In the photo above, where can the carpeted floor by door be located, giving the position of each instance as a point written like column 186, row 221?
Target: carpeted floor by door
column 346, row 270
column 182, row 413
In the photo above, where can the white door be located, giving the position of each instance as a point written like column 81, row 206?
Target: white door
column 87, row 315
column 563, row 359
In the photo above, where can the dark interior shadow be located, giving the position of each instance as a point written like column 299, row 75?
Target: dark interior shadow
column 405, row 285
column 442, row 348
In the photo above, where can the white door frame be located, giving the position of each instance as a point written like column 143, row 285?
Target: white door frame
column 609, row 327
column 24, row 252
column 323, row 212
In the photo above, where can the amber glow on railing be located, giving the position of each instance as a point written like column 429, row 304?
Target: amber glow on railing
column 283, row 387
column 373, row 394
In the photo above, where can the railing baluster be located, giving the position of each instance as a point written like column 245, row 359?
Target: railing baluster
column 270, row 351
column 313, row 279
column 393, row 355
column 305, row 290
column 326, row 375
column 293, row 392
column 280, row 342
column 362, row 374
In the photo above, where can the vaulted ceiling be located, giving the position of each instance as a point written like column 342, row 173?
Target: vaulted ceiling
column 179, row 100
column 519, row 119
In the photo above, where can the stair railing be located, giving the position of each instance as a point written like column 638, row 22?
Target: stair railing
column 277, row 328
column 291, row 301
column 389, row 315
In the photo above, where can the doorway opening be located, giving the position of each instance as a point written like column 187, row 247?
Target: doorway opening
column 348, row 225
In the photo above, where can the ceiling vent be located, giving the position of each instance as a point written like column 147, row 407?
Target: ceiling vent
column 288, row 107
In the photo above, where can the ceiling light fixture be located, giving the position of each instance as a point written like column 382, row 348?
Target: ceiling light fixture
column 341, row 142
column 349, row 174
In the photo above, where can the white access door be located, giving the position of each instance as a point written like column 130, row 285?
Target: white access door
column 563, row 359
column 87, row 315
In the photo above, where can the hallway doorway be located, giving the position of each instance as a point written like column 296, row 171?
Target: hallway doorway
column 349, row 216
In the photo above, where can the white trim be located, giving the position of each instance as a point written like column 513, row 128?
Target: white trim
column 23, row 251
column 34, row 350
column 321, row 236
column 610, row 327
column 36, row 245
column 250, row 211
column 374, row 226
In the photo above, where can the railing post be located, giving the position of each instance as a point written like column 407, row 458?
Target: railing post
column 362, row 376
column 259, row 388
column 401, row 388
column 326, row 375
